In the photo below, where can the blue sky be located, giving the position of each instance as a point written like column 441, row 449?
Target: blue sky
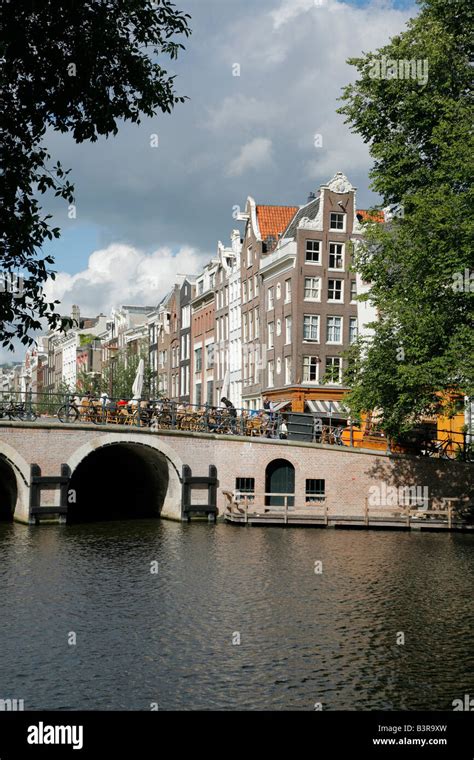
column 145, row 214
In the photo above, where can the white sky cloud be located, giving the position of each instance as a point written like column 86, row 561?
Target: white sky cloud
column 122, row 274
column 236, row 136
column 255, row 154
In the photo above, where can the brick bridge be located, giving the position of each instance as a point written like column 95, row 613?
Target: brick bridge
column 86, row 472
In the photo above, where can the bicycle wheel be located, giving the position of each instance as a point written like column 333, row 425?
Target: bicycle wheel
column 67, row 413
column 449, row 450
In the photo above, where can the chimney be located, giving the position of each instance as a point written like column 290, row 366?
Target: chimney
column 76, row 315
column 311, row 197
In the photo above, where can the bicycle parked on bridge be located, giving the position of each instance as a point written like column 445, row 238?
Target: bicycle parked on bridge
column 447, row 449
column 88, row 410
column 12, row 410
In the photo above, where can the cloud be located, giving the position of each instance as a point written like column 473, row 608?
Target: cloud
column 292, row 55
column 122, row 274
column 243, row 110
column 255, row 154
column 235, row 136
column 290, row 9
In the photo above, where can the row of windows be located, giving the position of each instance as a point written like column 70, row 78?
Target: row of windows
column 249, row 289
column 311, row 364
column 250, row 325
column 198, row 396
column 336, row 254
column 315, row 489
column 209, row 358
column 311, row 324
column 274, row 294
column 335, row 291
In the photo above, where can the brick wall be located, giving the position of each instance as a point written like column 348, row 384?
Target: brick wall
column 348, row 473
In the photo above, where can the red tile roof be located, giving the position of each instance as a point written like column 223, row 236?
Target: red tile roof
column 374, row 216
column 274, row 219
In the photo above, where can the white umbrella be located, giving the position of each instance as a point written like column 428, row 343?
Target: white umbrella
column 137, row 386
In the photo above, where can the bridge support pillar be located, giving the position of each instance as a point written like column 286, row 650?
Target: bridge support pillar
column 190, row 483
column 40, row 510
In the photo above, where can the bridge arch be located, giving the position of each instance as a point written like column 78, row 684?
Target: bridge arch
column 119, row 475
column 14, row 484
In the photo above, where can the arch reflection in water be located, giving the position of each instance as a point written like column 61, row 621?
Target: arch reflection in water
column 118, row 481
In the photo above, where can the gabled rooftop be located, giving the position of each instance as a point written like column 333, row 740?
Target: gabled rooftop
column 310, row 211
column 272, row 220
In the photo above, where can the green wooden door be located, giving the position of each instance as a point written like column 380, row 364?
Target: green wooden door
column 279, row 478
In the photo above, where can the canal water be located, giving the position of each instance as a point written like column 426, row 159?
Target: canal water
column 317, row 612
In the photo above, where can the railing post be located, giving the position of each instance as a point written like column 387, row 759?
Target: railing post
column 286, row 509
column 366, row 511
column 450, row 515
column 246, row 506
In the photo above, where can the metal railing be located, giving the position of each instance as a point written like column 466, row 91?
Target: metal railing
column 164, row 414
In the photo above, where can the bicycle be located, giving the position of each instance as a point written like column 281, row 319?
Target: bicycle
column 447, row 449
column 18, row 411
column 71, row 411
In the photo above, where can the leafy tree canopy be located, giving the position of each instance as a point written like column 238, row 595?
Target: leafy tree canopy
column 418, row 124
column 77, row 66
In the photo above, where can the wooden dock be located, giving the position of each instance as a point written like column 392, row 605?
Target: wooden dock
column 247, row 512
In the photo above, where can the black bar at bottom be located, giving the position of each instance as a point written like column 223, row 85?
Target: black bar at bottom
column 108, row 734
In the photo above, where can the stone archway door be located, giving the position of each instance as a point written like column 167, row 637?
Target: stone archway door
column 279, row 479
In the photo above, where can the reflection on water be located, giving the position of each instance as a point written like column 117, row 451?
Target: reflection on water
column 167, row 637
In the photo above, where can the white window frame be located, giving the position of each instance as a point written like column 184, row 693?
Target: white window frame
column 287, row 370
column 311, row 298
column 342, row 254
column 311, row 261
column 271, row 335
column 344, row 217
column 353, row 300
column 318, row 322
column 309, row 364
column 334, row 342
column 336, row 300
column 353, row 322
column 271, row 373
column 270, row 299
column 339, row 358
